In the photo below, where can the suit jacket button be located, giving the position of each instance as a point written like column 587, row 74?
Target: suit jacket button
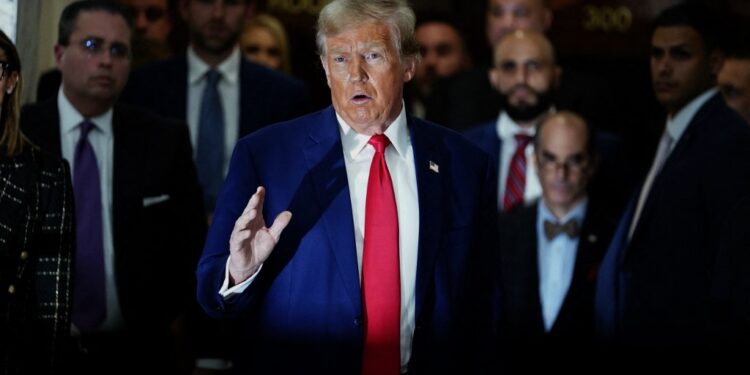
column 357, row 321
column 12, row 289
column 220, row 308
column 24, row 255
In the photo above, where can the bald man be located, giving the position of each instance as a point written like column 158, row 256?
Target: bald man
column 550, row 251
column 526, row 77
column 469, row 98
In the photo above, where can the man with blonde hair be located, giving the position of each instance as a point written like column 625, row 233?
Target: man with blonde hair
column 375, row 271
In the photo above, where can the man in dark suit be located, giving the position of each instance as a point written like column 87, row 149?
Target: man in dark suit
column 549, row 252
column 140, row 221
column 377, row 270
column 526, row 78
column 250, row 96
column 654, row 288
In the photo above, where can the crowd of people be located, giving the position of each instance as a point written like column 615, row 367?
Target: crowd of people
column 190, row 211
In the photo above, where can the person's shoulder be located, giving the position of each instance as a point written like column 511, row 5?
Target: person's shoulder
column 159, row 67
column 291, row 131
column 480, row 131
column 50, row 166
column 722, row 125
column 453, row 140
column 149, row 123
column 39, row 109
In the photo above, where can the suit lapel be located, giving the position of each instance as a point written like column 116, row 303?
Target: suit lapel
column 176, row 87
column 529, row 263
column 682, row 146
column 427, row 152
column 325, row 162
column 127, row 159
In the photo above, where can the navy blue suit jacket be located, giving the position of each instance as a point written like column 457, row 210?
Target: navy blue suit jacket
column 303, row 313
column 266, row 96
column 655, row 290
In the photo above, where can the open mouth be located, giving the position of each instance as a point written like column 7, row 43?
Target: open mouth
column 360, row 99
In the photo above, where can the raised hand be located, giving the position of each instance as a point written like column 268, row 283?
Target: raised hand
column 252, row 242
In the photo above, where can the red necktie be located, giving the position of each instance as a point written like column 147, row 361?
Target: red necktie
column 516, row 182
column 381, row 285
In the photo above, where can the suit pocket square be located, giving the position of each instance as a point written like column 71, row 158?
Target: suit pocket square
column 150, row 201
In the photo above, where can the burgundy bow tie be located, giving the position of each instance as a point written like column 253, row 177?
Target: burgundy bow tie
column 570, row 227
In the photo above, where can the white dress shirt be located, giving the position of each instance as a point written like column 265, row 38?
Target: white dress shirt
column 507, row 129
column 229, row 89
column 399, row 157
column 556, row 260
column 676, row 126
column 102, row 141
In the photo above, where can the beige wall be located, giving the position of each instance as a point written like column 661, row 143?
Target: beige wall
column 37, row 35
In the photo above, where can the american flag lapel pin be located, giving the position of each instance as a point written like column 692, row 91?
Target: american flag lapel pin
column 434, row 167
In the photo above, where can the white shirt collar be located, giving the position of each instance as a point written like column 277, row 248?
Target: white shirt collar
column 397, row 132
column 577, row 213
column 677, row 124
column 229, row 68
column 507, row 128
column 70, row 118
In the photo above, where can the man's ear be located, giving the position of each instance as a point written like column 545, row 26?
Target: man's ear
column 59, row 50
column 557, row 72
column 494, row 78
column 12, row 82
column 410, row 66
column 715, row 61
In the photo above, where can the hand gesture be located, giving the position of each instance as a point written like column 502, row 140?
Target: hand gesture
column 252, row 242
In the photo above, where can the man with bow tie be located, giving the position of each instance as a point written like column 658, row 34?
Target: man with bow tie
column 550, row 251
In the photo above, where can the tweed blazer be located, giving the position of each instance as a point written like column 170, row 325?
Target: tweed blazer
column 36, row 245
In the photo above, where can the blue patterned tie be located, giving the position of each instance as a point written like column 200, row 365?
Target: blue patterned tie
column 210, row 153
column 89, row 301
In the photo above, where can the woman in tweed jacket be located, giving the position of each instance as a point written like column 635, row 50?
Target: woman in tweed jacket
column 36, row 239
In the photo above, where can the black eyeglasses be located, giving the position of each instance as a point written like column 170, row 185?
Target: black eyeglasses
column 152, row 13
column 575, row 164
column 4, row 68
column 95, row 46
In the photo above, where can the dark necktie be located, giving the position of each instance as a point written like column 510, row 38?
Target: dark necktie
column 552, row 230
column 381, row 285
column 210, row 150
column 516, row 181
column 89, row 301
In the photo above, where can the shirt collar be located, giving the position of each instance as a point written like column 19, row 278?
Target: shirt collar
column 397, row 132
column 229, row 68
column 70, row 118
column 577, row 213
column 507, row 128
column 677, row 124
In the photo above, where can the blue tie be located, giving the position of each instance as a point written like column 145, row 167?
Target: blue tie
column 210, row 153
column 89, row 301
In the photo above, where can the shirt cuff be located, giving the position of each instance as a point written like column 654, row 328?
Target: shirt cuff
column 228, row 292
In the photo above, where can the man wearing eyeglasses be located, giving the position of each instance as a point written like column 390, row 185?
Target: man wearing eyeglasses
column 139, row 217
column 526, row 77
column 549, row 252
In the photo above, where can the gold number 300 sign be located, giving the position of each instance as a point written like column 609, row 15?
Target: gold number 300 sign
column 606, row 18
